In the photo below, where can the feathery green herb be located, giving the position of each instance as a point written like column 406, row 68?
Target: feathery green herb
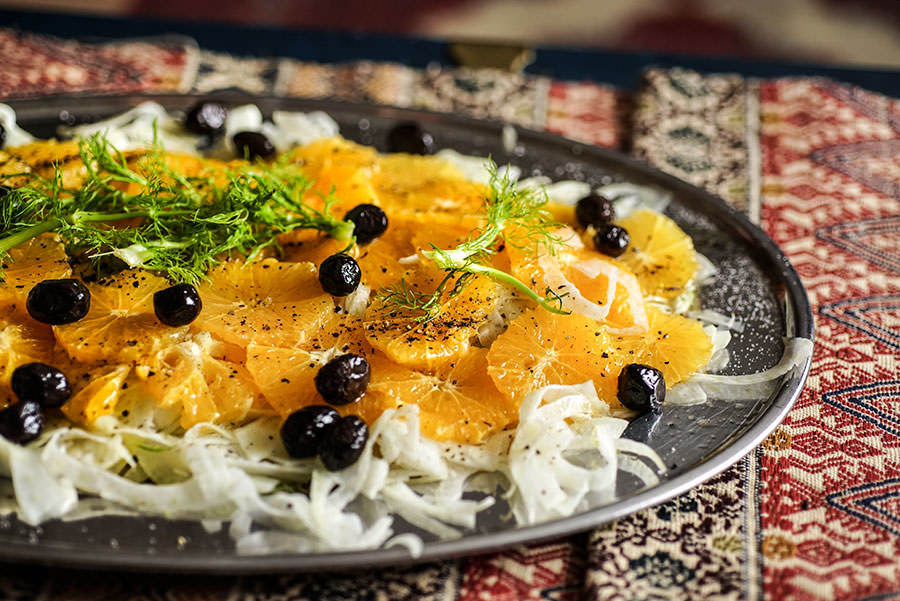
column 179, row 226
column 507, row 207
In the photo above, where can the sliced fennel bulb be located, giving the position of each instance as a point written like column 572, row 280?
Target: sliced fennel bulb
column 275, row 503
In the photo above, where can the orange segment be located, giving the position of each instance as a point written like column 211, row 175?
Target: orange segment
column 675, row 345
column 456, row 403
column 45, row 156
column 11, row 166
column 424, row 187
column 541, row 348
column 96, row 393
column 267, row 302
column 405, row 339
column 203, row 388
column 339, row 166
column 660, row 254
column 285, row 375
column 41, row 258
column 301, row 246
column 121, row 325
column 379, row 260
column 21, row 344
column 329, row 152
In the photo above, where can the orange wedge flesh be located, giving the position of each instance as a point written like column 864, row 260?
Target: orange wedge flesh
column 379, row 260
column 426, row 344
column 577, row 265
column 541, row 348
column 96, row 393
column 267, row 302
column 339, row 167
column 310, row 246
column 41, row 258
column 204, row 388
column 284, row 375
column 434, row 199
column 121, row 325
column 456, row 403
column 45, row 157
column 675, row 345
column 660, row 254
column 10, row 167
column 20, row 344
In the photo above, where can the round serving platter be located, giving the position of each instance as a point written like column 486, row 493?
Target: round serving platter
column 755, row 281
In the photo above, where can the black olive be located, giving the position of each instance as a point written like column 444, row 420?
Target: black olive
column 342, row 445
column 611, row 239
column 408, row 137
column 594, row 210
column 2, row 135
column 303, row 430
column 22, row 422
column 369, row 222
column 41, row 383
column 58, row 302
column 253, row 145
column 206, row 118
column 177, row 305
column 343, row 379
column 641, row 387
column 339, row 274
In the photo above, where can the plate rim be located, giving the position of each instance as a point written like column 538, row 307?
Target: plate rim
column 473, row 544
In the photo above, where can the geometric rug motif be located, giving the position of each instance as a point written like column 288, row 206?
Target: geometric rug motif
column 872, row 162
column 877, row 503
column 876, row 316
column 876, row 240
column 877, row 403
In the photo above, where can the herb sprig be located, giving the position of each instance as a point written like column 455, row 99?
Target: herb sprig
column 150, row 216
column 508, row 207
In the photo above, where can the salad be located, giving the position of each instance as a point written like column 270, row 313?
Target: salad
column 262, row 325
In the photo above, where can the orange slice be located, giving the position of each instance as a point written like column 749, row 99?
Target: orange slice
column 423, row 187
column 11, row 166
column 379, row 260
column 312, row 246
column 21, row 344
column 121, row 325
column 406, row 339
column 41, row 258
column 285, row 376
column 541, row 348
column 456, row 403
column 340, row 167
column 675, row 345
column 266, row 302
column 660, row 254
column 203, row 388
column 45, row 156
column 584, row 280
column 96, row 392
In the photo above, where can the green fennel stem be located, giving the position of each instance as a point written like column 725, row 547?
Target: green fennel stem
column 50, row 225
column 25, row 235
column 516, row 283
column 506, row 205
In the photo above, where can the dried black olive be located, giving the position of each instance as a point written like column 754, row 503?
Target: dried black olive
column 177, row 305
column 343, row 379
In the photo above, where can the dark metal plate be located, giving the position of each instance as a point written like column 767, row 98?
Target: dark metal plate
column 755, row 281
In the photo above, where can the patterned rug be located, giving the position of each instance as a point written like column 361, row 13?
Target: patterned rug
column 814, row 512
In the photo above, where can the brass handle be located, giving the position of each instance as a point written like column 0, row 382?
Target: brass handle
column 493, row 55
